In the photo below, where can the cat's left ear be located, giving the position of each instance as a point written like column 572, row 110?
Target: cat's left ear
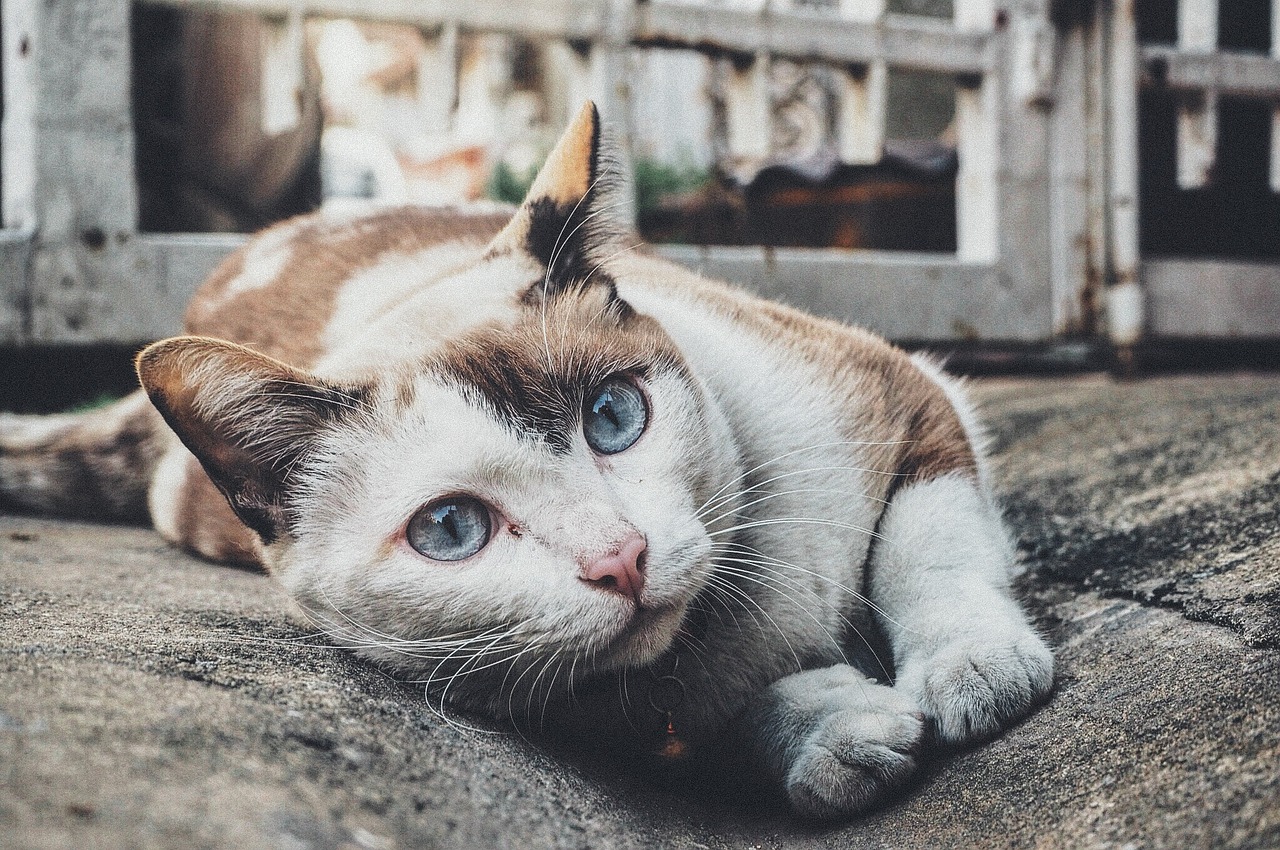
column 250, row 420
column 569, row 221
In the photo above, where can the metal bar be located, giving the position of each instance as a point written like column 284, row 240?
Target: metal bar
column 15, row 254
column 901, row 40
column 860, row 120
column 1197, row 26
column 1068, row 165
column 1213, row 299
column 905, row 296
column 1125, row 300
column 1197, row 146
column 749, row 111
column 1238, row 74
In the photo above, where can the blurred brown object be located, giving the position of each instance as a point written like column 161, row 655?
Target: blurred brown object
column 223, row 144
column 906, row 201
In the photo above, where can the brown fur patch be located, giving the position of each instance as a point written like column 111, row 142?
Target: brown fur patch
column 534, row 375
column 207, row 525
column 286, row 317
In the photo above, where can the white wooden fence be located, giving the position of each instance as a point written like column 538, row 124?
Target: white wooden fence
column 1046, row 121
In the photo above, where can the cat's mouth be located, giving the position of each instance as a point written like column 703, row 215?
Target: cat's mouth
column 648, row 634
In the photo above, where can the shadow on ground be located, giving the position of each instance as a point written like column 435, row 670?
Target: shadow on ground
column 151, row 700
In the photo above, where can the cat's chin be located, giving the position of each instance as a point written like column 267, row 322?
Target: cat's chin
column 647, row 635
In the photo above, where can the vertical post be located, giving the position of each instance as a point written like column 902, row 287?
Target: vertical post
column 69, row 168
column 1197, row 113
column 1197, row 26
column 484, row 78
column 860, row 121
column 1275, row 111
column 610, row 74
column 1197, row 138
column 1125, row 303
column 749, row 109
column 1068, row 190
column 978, row 149
column 860, row 116
column 438, row 78
column 283, row 72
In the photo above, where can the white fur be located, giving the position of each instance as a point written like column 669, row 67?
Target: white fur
column 165, row 494
column 404, row 306
column 350, row 567
column 963, row 648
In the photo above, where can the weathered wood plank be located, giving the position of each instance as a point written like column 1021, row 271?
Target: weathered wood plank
column 1125, row 301
column 68, row 144
column 15, row 254
column 174, row 265
column 1238, row 74
column 1213, row 299
column 905, row 296
column 901, row 40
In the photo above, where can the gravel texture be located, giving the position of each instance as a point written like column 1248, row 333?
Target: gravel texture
column 148, row 699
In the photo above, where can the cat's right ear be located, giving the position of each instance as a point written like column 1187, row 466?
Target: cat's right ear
column 569, row 221
column 248, row 419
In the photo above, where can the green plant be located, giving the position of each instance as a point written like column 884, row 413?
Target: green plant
column 654, row 180
column 506, row 184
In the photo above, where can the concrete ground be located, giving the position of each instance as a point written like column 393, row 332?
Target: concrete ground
column 151, row 700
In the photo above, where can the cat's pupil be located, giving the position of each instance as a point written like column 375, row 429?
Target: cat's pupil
column 615, row 416
column 605, row 408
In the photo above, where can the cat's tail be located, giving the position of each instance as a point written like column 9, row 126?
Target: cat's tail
column 93, row 465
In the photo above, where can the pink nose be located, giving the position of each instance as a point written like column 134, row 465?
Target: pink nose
column 623, row 571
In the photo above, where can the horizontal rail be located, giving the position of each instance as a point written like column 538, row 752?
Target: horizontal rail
column 898, row 40
column 1213, row 299
column 907, row 41
column 1239, row 74
column 905, row 296
column 901, row 295
column 565, row 19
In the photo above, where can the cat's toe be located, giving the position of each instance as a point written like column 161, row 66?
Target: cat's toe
column 853, row 758
column 973, row 690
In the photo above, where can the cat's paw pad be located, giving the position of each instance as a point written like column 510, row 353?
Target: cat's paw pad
column 972, row 690
column 855, row 756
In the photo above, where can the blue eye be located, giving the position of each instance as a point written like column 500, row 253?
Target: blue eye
column 451, row 529
column 614, row 416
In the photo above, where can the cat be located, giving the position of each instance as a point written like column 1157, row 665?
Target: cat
column 569, row 485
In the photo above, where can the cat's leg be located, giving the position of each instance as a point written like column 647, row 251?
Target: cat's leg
column 833, row 740
column 963, row 648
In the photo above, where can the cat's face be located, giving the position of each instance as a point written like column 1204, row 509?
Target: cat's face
column 533, row 490
column 534, row 486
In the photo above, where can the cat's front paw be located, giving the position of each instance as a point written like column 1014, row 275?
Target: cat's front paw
column 853, row 757
column 974, row 687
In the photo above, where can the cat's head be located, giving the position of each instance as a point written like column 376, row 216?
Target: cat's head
column 537, row 488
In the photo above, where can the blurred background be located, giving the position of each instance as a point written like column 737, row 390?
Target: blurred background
column 1030, row 185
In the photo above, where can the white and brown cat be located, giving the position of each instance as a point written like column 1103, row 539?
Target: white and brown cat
column 570, row 485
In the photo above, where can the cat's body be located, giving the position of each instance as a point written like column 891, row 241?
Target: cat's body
column 682, row 496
